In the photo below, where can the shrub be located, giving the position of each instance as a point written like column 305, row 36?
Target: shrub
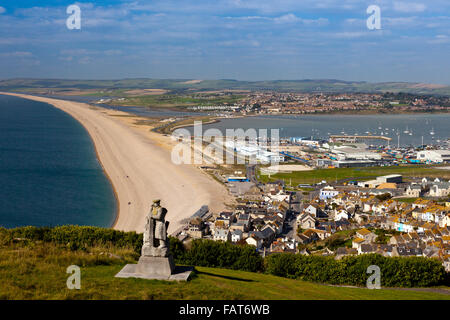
column 79, row 237
column 395, row 272
column 209, row 253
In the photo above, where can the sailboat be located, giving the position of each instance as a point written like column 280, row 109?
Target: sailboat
column 406, row 131
column 432, row 131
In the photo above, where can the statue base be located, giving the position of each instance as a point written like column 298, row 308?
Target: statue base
column 148, row 251
column 158, row 268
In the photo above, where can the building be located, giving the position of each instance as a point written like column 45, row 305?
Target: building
column 392, row 178
column 388, row 180
column 222, row 235
column 236, row 235
column 440, row 189
column 327, row 193
column 435, row 156
column 413, row 191
column 269, row 157
column 197, row 228
column 354, row 163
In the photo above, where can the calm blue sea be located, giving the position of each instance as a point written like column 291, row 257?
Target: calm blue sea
column 49, row 172
column 404, row 129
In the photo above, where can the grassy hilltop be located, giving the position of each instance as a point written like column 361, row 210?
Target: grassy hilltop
column 39, row 272
column 36, row 269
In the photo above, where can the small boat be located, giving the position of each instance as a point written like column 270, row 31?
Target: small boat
column 406, row 131
column 432, row 131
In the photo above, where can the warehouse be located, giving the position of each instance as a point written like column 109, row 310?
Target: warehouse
column 434, row 156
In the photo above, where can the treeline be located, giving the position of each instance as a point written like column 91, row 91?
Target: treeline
column 351, row 270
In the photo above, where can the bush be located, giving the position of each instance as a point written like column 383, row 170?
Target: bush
column 209, row 253
column 395, row 272
column 79, row 237
column 351, row 270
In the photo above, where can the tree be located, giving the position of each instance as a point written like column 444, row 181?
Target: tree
column 384, row 196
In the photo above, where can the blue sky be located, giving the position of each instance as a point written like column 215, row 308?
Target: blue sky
column 227, row 39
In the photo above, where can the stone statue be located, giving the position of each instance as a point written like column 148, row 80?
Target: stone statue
column 155, row 234
column 155, row 262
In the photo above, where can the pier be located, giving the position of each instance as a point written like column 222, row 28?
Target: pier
column 334, row 138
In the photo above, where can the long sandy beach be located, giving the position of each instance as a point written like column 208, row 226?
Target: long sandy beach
column 138, row 164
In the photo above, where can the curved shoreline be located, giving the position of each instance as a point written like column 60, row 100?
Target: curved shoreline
column 139, row 167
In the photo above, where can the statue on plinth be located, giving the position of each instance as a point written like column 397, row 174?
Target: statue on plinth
column 155, row 262
column 155, row 235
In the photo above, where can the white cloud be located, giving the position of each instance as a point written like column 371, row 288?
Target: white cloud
column 440, row 39
column 409, row 7
column 287, row 18
column 17, row 54
column 2, row 10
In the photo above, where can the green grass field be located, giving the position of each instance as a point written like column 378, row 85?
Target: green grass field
column 175, row 100
column 38, row 271
column 331, row 175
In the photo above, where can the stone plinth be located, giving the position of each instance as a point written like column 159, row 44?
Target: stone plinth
column 162, row 266
column 158, row 268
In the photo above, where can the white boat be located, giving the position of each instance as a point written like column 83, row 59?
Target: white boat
column 432, row 131
column 406, row 131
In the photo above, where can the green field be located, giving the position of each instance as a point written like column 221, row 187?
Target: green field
column 331, row 175
column 174, row 100
column 38, row 271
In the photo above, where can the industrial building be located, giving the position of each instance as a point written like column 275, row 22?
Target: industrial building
column 434, row 156
column 354, row 153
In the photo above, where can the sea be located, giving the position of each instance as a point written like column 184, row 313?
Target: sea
column 404, row 129
column 50, row 174
column 49, row 171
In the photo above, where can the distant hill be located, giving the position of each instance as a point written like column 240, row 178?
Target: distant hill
column 326, row 85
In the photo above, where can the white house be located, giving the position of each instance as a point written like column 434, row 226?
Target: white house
column 236, row 235
column 440, row 189
column 445, row 221
column 254, row 241
column 342, row 214
column 222, row 234
column 327, row 193
column 413, row 191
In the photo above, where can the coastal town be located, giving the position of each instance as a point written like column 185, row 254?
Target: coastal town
column 273, row 102
column 391, row 215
